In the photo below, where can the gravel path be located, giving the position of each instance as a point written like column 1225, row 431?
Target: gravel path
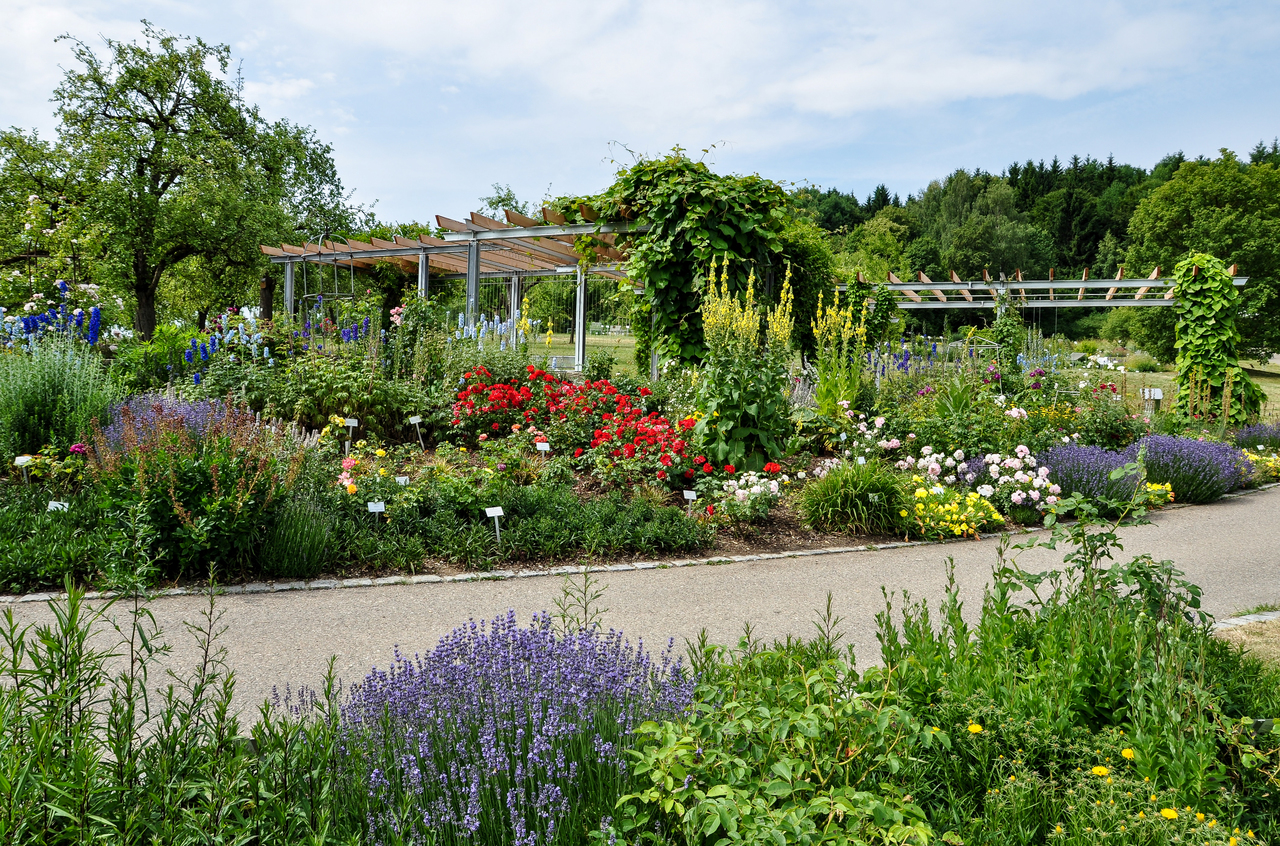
column 1230, row 548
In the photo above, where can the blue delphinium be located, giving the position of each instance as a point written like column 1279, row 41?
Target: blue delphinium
column 95, row 324
column 188, row 356
column 505, row 734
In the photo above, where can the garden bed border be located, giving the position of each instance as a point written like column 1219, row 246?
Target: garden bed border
column 574, row 569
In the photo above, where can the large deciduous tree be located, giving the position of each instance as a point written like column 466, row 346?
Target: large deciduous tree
column 1231, row 210
column 183, row 170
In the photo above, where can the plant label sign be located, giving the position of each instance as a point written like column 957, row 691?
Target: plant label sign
column 691, row 495
column 543, row 446
column 402, row 480
column 376, row 507
column 494, row 512
column 415, row 420
column 55, row 505
column 351, row 422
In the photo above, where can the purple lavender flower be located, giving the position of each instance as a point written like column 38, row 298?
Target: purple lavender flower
column 504, row 734
column 1259, row 436
column 1198, row 471
column 146, row 408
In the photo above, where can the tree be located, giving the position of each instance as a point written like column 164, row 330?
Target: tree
column 183, row 170
column 1228, row 209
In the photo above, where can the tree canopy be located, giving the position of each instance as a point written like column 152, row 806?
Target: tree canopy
column 161, row 179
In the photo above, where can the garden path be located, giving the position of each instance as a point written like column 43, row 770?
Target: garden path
column 1230, row 548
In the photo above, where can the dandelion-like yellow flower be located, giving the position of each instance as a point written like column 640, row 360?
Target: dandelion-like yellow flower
column 1199, row 817
column 1127, row 754
column 1169, row 813
column 1057, row 829
column 974, row 728
column 1100, row 771
column 1142, row 815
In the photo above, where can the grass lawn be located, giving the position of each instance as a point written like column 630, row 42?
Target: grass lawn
column 1262, row 639
column 623, row 348
column 1267, row 376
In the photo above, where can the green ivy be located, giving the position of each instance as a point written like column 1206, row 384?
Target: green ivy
column 1210, row 380
column 693, row 215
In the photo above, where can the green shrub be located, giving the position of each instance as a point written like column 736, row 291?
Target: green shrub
column 864, row 499
column 600, row 364
column 50, row 396
column 1143, row 363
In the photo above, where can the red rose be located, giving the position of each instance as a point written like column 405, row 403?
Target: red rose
column 711, row 509
column 701, row 459
column 644, row 392
column 707, row 468
column 629, row 450
column 772, row 467
column 495, row 427
column 664, row 460
column 688, row 474
column 577, row 453
column 730, row 469
column 662, row 474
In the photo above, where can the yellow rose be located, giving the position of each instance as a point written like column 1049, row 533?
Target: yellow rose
column 351, row 488
column 382, row 453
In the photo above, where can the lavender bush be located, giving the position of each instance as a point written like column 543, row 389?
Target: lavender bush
column 1087, row 470
column 1260, row 436
column 145, row 409
column 1199, row 471
column 505, row 734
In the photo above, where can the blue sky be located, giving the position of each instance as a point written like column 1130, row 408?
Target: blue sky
column 428, row 103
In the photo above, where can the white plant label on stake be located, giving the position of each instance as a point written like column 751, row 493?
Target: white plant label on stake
column 843, row 436
column 55, row 505
column 495, row 513
column 690, row 496
column 861, row 460
column 376, row 507
column 351, row 422
column 415, row 420
column 543, row 446
column 402, row 480
column 22, row 461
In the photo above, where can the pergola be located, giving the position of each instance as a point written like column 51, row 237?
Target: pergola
column 1154, row 290
column 474, row 249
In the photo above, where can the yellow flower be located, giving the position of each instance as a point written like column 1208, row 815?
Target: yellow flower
column 1199, row 817
column 382, row 453
column 351, row 488
column 1011, row 778
column 902, row 514
column 382, row 471
column 1231, row 841
column 1169, row 813
column 974, row 728
column 1127, row 754
column 1100, row 771
column 1141, row 815
column 1057, row 829
column 1211, row 823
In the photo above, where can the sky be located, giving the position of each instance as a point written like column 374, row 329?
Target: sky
column 427, row 104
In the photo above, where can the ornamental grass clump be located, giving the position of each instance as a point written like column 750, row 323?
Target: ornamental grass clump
column 863, row 499
column 505, row 734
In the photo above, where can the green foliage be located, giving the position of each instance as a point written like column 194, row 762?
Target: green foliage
column 1227, row 209
column 91, row 752
column 812, row 266
column 694, row 215
column 784, row 746
column 861, row 499
column 1056, row 726
column 1009, row 332
column 1210, row 381
column 600, row 364
column 297, row 545
column 50, row 396
column 742, row 393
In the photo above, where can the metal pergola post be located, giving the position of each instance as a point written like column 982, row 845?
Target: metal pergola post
column 580, row 322
column 473, row 282
column 288, row 289
column 423, row 270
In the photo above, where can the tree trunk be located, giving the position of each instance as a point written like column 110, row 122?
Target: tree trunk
column 144, row 319
column 202, row 318
column 266, row 297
